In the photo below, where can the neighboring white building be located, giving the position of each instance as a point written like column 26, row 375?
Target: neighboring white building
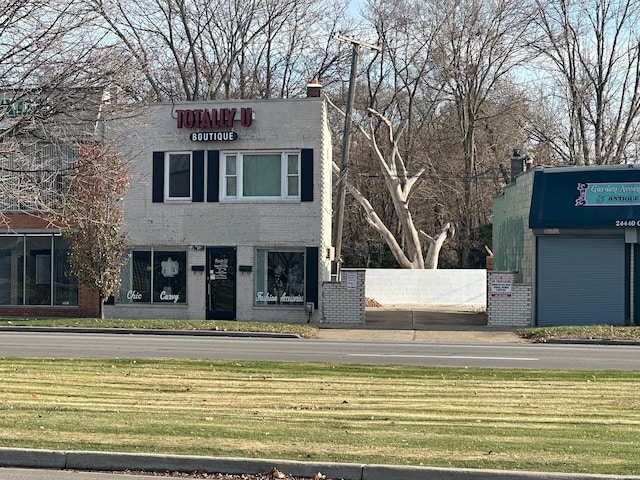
column 229, row 210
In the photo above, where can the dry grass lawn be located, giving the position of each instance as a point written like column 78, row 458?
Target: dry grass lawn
column 504, row 419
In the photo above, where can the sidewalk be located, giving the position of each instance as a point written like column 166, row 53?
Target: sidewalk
column 417, row 323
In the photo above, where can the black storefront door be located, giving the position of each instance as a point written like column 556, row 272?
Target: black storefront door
column 221, row 283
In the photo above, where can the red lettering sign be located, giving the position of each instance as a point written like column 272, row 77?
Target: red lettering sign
column 212, row 118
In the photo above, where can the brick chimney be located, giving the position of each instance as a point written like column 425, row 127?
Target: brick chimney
column 313, row 89
column 517, row 164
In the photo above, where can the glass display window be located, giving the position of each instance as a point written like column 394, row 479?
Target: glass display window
column 280, row 277
column 154, row 276
column 34, row 270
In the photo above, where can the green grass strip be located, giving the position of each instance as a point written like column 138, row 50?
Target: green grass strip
column 303, row 330
column 534, row 334
column 447, row 417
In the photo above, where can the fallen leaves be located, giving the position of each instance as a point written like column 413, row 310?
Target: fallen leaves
column 275, row 473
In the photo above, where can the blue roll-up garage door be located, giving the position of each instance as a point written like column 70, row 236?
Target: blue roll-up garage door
column 581, row 281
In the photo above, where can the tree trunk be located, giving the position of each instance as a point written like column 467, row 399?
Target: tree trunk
column 435, row 245
column 101, row 300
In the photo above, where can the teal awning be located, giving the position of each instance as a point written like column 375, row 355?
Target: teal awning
column 586, row 197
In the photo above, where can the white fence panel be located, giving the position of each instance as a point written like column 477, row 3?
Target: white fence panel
column 427, row 287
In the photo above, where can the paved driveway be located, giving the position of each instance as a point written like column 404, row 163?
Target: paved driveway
column 420, row 323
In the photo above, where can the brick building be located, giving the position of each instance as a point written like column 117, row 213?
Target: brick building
column 228, row 213
column 46, row 128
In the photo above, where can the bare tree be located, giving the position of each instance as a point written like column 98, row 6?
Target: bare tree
column 55, row 73
column 91, row 218
column 590, row 59
column 479, row 44
column 445, row 75
column 397, row 82
column 401, row 185
column 42, row 70
column 233, row 49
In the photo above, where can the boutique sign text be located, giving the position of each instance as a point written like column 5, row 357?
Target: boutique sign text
column 213, row 136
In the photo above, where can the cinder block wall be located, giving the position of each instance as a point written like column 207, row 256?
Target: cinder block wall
column 513, row 240
column 343, row 301
column 513, row 251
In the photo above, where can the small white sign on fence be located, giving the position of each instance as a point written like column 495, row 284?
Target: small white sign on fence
column 501, row 284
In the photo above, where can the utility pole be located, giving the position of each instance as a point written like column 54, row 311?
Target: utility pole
column 344, row 163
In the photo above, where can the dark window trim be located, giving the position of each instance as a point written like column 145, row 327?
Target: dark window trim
column 198, row 176
column 311, row 272
column 306, row 175
column 213, row 176
column 157, row 175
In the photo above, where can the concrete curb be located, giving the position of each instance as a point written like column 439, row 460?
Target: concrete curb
column 108, row 461
column 390, row 472
column 594, row 341
column 30, row 458
column 161, row 463
column 143, row 331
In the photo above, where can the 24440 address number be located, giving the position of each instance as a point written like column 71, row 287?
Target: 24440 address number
column 627, row 223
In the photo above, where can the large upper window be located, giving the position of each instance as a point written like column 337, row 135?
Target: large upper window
column 261, row 175
column 213, row 176
column 178, row 175
column 154, row 276
column 33, row 271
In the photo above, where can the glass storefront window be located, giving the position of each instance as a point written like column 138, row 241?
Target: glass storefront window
column 34, row 271
column 164, row 270
column 141, row 275
column 279, row 277
column 38, row 271
column 170, row 278
column 65, row 286
column 12, row 270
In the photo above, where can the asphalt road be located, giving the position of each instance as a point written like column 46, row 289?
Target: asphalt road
column 455, row 354
column 489, row 355
column 38, row 474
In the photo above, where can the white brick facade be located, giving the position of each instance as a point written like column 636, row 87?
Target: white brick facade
column 514, row 310
column 192, row 226
column 343, row 301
